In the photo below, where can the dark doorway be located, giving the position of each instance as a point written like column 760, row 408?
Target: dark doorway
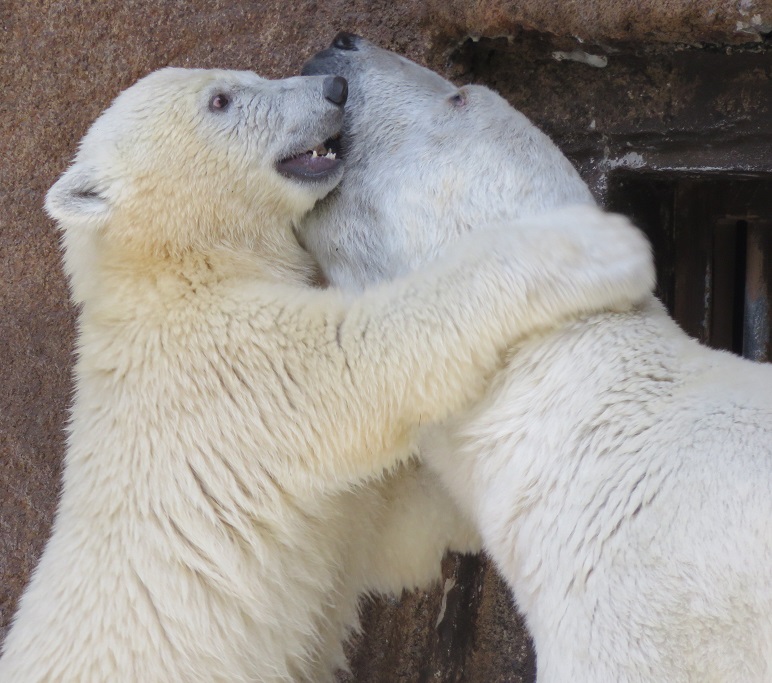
column 712, row 238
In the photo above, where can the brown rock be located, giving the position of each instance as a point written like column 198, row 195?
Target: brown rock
column 598, row 21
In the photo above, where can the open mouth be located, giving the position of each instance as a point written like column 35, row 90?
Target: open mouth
column 313, row 164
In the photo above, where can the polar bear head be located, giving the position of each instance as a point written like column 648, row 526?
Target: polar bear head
column 192, row 158
column 426, row 161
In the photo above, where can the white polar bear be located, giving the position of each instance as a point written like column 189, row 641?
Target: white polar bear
column 619, row 472
column 224, row 408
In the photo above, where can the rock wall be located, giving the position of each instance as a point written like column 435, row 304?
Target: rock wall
column 61, row 62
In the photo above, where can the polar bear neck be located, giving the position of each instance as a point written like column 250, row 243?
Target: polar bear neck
column 120, row 263
column 363, row 235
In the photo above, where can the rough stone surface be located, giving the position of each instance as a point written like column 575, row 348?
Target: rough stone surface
column 668, row 21
column 652, row 107
column 465, row 630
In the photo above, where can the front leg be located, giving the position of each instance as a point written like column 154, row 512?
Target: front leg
column 418, row 522
column 420, row 348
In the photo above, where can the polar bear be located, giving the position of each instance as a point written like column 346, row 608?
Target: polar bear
column 224, row 407
column 620, row 473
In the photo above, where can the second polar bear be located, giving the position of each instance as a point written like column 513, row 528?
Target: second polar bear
column 224, row 407
column 619, row 472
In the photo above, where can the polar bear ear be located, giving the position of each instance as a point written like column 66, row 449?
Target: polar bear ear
column 76, row 199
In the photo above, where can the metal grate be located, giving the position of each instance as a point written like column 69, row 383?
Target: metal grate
column 712, row 239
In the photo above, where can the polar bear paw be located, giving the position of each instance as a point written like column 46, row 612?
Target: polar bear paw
column 608, row 261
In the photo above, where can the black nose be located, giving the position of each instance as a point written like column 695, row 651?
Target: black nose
column 335, row 90
column 345, row 41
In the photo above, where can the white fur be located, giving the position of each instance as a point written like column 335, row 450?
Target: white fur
column 226, row 412
column 619, row 472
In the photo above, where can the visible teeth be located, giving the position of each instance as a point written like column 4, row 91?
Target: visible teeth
column 320, row 151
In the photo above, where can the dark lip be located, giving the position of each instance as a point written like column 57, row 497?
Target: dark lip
column 302, row 166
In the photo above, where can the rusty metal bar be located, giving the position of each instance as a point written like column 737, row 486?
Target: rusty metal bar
column 694, row 209
column 757, row 342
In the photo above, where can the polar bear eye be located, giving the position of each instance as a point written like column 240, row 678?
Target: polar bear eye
column 219, row 102
column 458, row 100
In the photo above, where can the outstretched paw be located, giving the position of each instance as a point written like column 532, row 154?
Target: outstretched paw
column 613, row 258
